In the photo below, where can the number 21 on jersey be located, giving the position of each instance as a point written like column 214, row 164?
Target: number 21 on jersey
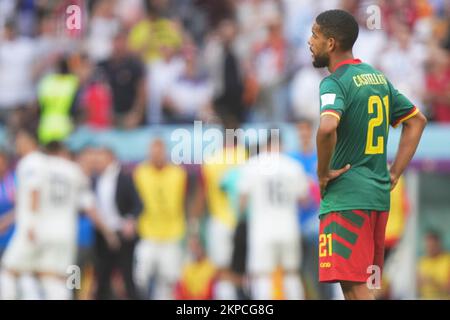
column 375, row 105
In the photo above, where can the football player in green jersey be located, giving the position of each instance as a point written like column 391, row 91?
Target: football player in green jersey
column 358, row 104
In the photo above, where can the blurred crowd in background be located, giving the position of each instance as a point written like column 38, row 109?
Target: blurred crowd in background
column 142, row 62
column 137, row 63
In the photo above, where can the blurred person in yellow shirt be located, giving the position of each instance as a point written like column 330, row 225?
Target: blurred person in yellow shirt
column 148, row 36
column 198, row 275
column 398, row 215
column 161, row 226
column 434, row 269
column 223, row 218
column 395, row 229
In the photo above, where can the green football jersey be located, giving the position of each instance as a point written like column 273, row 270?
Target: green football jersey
column 366, row 104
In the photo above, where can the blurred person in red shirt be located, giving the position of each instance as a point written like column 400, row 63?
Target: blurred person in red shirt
column 438, row 85
column 97, row 104
column 96, row 109
column 404, row 11
column 92, row 106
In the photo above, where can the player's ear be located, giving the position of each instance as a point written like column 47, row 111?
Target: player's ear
column 332, row 44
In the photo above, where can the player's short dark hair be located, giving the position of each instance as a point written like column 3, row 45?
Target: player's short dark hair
column 340, row 25
column 54, row 147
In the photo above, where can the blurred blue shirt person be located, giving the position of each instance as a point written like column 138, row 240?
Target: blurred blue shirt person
column 85, row 232
column 307, row 157
column 7, row 196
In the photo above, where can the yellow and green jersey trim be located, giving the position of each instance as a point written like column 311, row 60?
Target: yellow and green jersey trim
column 331, row 113
column 407, row 116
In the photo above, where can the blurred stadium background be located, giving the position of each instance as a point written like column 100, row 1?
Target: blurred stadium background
column 135, row 70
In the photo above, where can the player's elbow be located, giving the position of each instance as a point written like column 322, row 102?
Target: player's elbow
column 326, row 129
column 418, row 122
column 327, row 126
column 422, row 120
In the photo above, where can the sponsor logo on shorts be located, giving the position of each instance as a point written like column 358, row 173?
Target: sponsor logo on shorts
column 325, row 265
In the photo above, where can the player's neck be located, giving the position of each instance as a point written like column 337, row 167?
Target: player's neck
column 158, row 166
column 338, row 58
column 30, row 150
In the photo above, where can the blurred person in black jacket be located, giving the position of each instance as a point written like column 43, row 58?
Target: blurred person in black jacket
column 125, row 74
column 119, row 205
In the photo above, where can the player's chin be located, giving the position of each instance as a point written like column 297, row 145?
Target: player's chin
column 316, row 64
column 319, row 63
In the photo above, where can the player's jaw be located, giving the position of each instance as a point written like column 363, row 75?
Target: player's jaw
column 320, row 60
column 318, row 47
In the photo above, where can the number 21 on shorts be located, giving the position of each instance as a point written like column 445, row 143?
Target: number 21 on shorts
column 325, row 245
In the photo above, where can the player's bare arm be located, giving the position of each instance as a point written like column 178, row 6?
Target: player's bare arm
column 34, row 201
column 35, row 195
column 326, row 142
column 409, row 140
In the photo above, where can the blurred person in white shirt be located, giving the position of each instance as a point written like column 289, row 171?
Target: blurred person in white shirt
column 161, row 75
column 51, row 190
column 17, row 55
column 271, row 186
column 190, row 96
column 104, row 25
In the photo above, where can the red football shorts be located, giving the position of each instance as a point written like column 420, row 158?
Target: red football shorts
column 351, row 245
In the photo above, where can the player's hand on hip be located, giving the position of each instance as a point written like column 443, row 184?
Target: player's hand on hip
column 332, row 174
column 394, row 180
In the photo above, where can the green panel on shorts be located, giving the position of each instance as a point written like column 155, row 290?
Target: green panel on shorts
column 341, row 250
column 353, row 218
column 341, row 231
column 368, row 212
